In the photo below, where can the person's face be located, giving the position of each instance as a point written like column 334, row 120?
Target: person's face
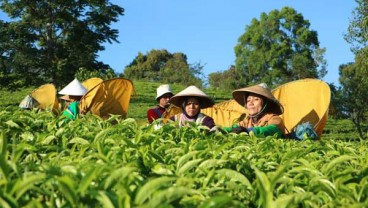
column 72, row 99
column 254, row 104
column 164, row 100
column 192, row 106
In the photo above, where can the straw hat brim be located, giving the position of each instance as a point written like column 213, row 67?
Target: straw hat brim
column 65, row 97
column 274, row 105
column 192, row 91
column 205, row 102
column 71, row 97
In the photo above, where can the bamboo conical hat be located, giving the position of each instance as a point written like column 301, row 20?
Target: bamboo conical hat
column 74, row 88
column 192, row 91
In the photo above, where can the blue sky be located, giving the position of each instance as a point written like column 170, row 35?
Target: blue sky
column 207, row 30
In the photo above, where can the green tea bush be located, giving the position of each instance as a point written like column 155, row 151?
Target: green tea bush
column 90, row 162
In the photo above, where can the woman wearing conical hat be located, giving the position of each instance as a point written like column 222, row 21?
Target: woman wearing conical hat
column 72, row 93
column 191, row 100
column 264, row 110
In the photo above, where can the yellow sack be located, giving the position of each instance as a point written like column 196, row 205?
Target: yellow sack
column 226, row 113
column 109, row 97
column 170, row 112
column 45, row 95
column 304, row 100
column 91, row 82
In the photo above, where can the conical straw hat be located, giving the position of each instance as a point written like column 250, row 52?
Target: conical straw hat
column 74, row 88
column 192, row 91
column 240, row 96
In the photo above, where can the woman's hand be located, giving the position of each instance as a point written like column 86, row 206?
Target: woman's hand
column 239, row 129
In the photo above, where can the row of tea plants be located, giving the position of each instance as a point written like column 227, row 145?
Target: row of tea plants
column 46, row 162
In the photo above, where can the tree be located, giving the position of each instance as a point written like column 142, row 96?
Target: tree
column 227, row 79
column 279, row 48
column 337, row 109
column 353, row 76
column 51, row 40
column 354, row 82
column 83, row 74
column 162, row 66
column 357, row 34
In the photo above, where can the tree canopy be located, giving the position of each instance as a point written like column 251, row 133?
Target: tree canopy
column 353, row 76
column 277, row 48
column 163, row 66
column 227, row 79
column 357, row 34
column 48, row 41
column 354, row 82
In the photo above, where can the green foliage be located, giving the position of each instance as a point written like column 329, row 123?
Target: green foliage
column 49, row 41
column 353, row 76
column 162, row 66
column 10, row 99
column 354, row 82
column 357, row 34
column 278, row 48
column 342, row 129
column 84, row 74
column 336, row 108
column 117, row 163
column 229, row 79
column 12, row 82
column 126, row 163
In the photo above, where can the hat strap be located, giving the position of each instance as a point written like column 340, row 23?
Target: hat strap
column 260, row 112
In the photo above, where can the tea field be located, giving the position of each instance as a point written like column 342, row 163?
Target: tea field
column 45, row 162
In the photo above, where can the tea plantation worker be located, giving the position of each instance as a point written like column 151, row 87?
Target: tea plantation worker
column 191, row 100
column 72, row 93
column 163, row 96
column 264, row 110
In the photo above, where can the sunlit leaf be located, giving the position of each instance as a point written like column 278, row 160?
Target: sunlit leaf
column 153, row 185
